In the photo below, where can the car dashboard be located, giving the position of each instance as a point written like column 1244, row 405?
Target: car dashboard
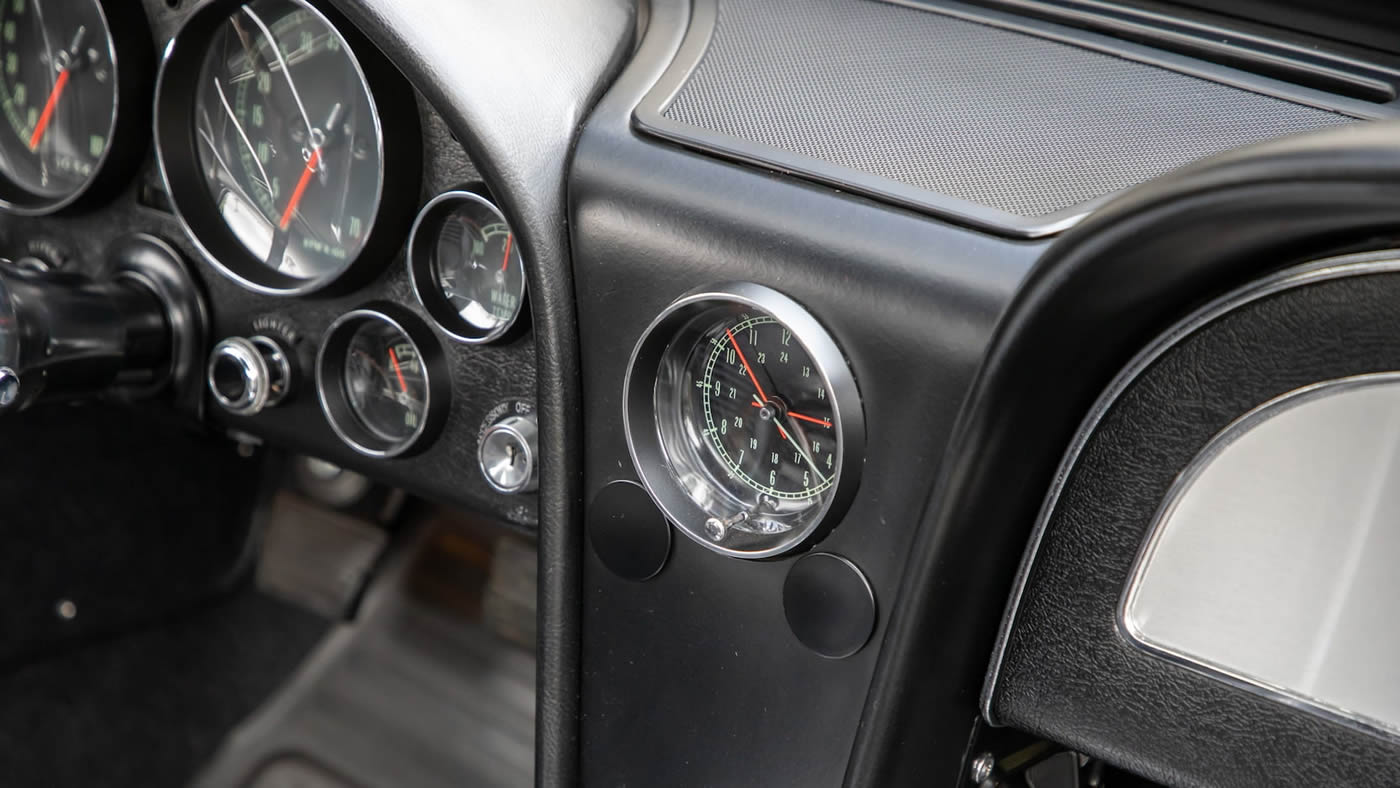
column 846, row 361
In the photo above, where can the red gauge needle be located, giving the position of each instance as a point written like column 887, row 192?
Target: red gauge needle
column 300, row 190
column 505, row 261
column 47, row 115
column 747, row 368
column 753, row 379
column 394, row 359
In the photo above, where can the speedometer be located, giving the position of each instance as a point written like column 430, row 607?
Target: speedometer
column 743, row 421
column 286, row 162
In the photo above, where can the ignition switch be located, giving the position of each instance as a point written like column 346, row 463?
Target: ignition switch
column 509, row 454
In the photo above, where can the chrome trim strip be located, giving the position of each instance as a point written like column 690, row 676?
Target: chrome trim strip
column 1366, row 263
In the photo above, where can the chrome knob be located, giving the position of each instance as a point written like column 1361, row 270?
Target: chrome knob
column 248, row 375
column 9, row 387
column 509, row 453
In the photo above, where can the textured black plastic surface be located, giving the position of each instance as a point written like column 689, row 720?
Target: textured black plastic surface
column 829, row 605
column 1069, row 674
column 628, row 533
column 693, row 677
column 899, row 101
column 1104, row 291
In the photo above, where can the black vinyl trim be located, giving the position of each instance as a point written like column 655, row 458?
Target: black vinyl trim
column 1322, row 270
column 1224, row 42
column 1186, row 724
column 1093, row 301
column 520, row 127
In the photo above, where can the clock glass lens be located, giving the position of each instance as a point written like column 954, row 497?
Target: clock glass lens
column 749, row 429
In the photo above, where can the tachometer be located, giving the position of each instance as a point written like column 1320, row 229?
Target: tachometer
column 285, row 166
column 743, row 421
column 60, row 97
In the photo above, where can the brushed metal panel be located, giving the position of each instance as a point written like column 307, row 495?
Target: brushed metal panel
column 1272, row 561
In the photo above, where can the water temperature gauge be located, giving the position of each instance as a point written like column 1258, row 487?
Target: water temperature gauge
column 466, row 266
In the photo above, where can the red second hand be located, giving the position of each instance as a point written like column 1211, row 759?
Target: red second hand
column 802, row 417
column 747, row 369
column 47, row 114
column 300, row 189
column 752, row 378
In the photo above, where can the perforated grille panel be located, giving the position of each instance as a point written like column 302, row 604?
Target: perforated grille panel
column 994, row 117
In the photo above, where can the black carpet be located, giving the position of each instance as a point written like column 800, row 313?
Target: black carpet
column 149, row 708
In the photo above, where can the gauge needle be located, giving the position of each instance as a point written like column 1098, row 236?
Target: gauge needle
column 300, row 189
column 800, row 449
column 58, row 86
column 394, row 359
column 505, row 261
column 47, row 114
column 807, row 457
column 802, row 417
column 747, row 369
column 760, row 404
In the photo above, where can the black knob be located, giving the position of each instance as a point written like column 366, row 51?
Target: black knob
column 65, row 336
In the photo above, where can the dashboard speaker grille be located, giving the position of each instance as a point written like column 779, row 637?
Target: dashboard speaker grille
column 904, row 100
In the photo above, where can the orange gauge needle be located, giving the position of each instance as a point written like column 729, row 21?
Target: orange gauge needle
column 505, row 261
column 747, row 368
column 47, row 114
column 299, row 191
column 394, row 358
column 801, row 417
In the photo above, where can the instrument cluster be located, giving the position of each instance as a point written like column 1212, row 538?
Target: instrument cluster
column 290, row 154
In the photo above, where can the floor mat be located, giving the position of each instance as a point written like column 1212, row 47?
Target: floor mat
column 149, row 708
column 412, row 694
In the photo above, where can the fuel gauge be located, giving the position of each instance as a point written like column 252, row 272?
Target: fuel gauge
column 466, row 266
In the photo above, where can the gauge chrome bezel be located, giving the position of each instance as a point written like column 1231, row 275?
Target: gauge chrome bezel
column 131, row 51
column 420, row 269
column 330, row 381
column 398, row 136
column 665, row 342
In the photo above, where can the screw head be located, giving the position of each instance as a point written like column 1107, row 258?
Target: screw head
column 982, row 767
column 716, row 529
